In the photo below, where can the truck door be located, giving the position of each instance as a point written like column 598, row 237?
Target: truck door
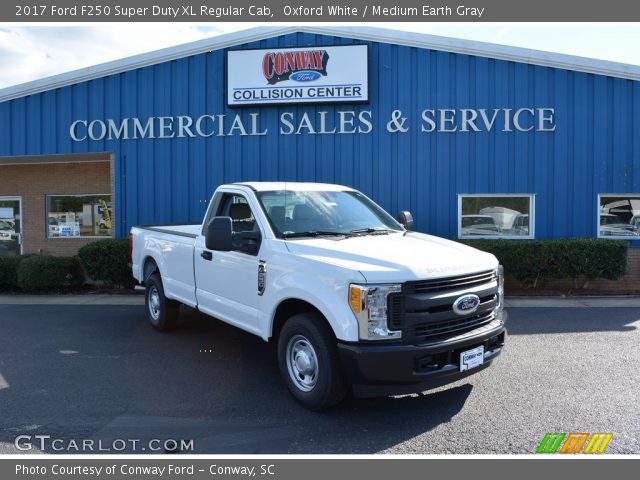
column 227, row 282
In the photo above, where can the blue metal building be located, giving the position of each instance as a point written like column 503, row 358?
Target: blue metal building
column 577, row 136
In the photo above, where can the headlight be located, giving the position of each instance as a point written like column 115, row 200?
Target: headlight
column 369, row 303
column 500, row 274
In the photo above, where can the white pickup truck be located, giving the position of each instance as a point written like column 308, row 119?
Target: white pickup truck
column 353, row 298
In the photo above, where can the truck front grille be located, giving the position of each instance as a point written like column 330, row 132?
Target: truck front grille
column 428, row 330
column 457, row 283
column 423, row 310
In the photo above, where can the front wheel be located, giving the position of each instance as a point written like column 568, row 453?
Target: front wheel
column 309, row 363
column 162, row 313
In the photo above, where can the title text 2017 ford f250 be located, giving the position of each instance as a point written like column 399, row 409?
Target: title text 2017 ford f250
column 353, row 299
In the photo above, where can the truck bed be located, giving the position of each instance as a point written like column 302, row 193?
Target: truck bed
column 172, row 248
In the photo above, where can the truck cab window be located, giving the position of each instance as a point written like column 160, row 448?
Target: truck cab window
column 236, row 207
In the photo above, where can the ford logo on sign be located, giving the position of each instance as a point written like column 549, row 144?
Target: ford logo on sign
column 466, row 304
column 305, row 76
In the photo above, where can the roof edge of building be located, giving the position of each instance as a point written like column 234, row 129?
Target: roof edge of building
column 374, row 34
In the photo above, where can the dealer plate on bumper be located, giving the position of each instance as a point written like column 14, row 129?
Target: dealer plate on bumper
column 472, row 358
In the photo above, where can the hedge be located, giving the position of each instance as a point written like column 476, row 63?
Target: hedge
column 9, row 273
column 535, row 262
column 108, row 261
column 44, row 273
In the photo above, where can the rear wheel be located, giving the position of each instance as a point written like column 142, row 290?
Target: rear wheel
column 309, row 363
column 163, row 314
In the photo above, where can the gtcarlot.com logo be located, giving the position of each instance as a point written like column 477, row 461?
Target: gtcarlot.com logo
column 574, row 443
column 47, row 443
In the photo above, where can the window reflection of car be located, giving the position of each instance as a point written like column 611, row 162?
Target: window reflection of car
column 635, row 223
column 7, row 233
column 478, row 225
column 520, row 225
column 54, row 227
column 613, row 226
column 503, row 217
column 10, row 221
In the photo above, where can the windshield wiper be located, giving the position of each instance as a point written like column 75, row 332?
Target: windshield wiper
column 314, row 233
column 373, row 231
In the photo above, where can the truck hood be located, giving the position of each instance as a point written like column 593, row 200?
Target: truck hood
column 395, row 257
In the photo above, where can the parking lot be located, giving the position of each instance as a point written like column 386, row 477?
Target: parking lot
column 101, row 372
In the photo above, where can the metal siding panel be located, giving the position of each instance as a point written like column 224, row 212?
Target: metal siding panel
column 34, row 124
column 95, row 101
column 558, row 199
column 635, row 135
column 198, row 190
column 64, row 118
column 460, row 161
column 129, row 152
column 48, row 118
column 215, row 103
column 420, row 173
column 445, row 143
column 580, row 214
column 623, row 166
column 18, row 127
column 383, row 154
column 499, row 152
column 111, row 88
column 146, row 171
column 79, row 110
column 403, row 163
column 542, row 157
column 409, row 201
column 163, row 191
column 5, row 128
column 601, row 141
column 179, row 148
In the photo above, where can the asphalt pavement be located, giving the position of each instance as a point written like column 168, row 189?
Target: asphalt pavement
column 95, row 370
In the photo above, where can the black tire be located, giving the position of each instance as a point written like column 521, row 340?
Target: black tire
column 163, row 314
column 309, row 362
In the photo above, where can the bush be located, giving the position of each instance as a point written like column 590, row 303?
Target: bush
column 9, row 273
column 42, row 273
column 535, row 262
column 108, row 261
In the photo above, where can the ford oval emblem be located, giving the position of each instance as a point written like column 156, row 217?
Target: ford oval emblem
column 466, row 304
column 305, row 76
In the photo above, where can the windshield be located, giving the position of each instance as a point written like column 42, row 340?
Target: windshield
column 472, row 221
column 610, row 220
column 307, row 213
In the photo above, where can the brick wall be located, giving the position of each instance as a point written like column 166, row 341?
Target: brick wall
column 34, row 182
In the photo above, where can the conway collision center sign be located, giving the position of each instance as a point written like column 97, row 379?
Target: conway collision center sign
column 297, row 75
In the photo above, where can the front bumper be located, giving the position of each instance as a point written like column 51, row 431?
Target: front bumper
column 396, row 369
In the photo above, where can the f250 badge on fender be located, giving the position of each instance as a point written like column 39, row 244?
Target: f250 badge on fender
column 466, row 304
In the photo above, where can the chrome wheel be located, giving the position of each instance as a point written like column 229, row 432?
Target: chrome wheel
column 302, row 363
column 154, row 303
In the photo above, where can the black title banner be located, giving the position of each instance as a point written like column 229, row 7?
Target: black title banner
column 371, row 468
column 352, row 11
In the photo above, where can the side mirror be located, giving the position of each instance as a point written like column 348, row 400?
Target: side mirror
column 219, row 234
column 406, row 219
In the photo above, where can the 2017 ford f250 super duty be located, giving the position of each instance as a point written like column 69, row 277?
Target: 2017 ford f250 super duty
column 352, row 297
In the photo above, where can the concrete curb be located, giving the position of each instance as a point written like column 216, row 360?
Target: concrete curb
column 573, row 302
column 90, row 299
column 138, row 299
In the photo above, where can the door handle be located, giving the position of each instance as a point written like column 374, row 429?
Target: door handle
column 207, row 255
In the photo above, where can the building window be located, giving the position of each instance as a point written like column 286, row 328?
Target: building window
column 496, row 216
column 618, row 216
column 71, row 216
